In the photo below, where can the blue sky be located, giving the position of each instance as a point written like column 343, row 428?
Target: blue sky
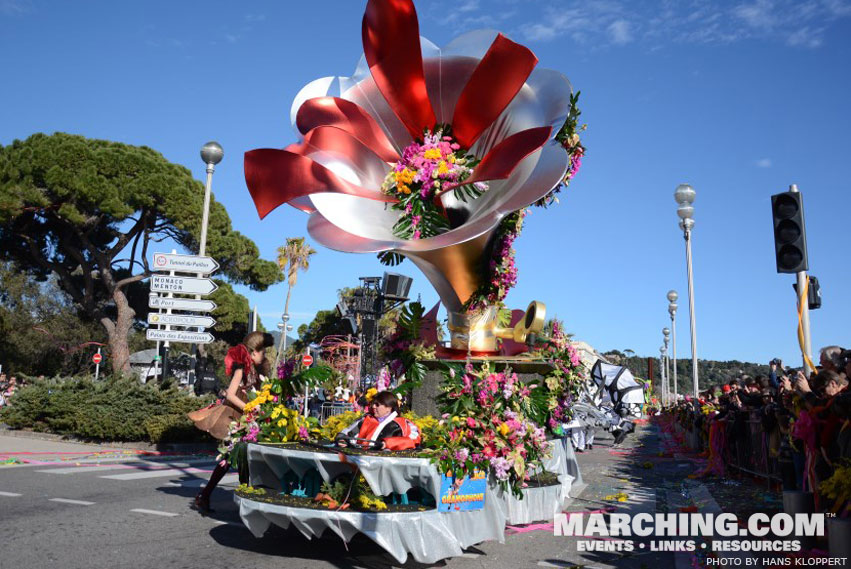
column 739, row 99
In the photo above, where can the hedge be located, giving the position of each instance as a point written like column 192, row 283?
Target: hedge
column 119, row 409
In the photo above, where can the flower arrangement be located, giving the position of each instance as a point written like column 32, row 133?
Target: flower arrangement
column 427, row 167
column 345, row 493
column 335, row 424
column 485, row 425
column 266, row 418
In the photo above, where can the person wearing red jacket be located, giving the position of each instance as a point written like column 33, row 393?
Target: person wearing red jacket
column 383, row 425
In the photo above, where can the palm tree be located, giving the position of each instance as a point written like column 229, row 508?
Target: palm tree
column 292, row 257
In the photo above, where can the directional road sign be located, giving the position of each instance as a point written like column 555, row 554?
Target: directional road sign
column 180, row 320
column 155, row 301
column 179, row 336
column 307, row 360
column 184, row 263
column 183, row 285
column 97, row 358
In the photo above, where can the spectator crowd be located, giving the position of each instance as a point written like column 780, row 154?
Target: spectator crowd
column 786, row 426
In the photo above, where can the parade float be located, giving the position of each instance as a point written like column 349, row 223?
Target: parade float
column 433, row 155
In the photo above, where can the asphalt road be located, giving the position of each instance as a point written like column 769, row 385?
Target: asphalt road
column 107, row 511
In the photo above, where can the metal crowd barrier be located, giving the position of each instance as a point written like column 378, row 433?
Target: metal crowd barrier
column 331, row 409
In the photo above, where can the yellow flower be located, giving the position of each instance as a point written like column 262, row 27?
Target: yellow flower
column 282, row 423
column 405, row 176
column 504, row 429
column 432, row 154
column 372, row 392
column 442, row 168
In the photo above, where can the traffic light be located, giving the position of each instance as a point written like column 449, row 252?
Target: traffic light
column 813, row 293
column 790, row 237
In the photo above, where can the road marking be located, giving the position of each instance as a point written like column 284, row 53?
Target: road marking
column 153, row 474
column 136, row 465
column 155, row 512
column 77, row 502
column 9, row 494
column 564, row 565
column 228, row 480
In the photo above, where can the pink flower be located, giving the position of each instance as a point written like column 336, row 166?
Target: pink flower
column 471, row 423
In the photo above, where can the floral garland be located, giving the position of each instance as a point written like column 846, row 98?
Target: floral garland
column 502, row 272
column 420, row 177
column 562, row 387
column 568, row 136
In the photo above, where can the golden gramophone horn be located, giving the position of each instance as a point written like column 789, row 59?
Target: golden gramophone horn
column 533, row 321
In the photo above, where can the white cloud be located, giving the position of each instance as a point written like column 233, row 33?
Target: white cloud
column 468, row 6
column 763, row 163
column 620, row 32
column 756, row 15
column 15, row 7
column 796, row 23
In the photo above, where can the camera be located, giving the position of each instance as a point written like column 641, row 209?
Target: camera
column 777, row 361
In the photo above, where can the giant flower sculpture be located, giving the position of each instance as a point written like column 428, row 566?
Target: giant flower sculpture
column 422, row 152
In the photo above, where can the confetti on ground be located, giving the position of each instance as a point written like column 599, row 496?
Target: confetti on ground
column 619, row 497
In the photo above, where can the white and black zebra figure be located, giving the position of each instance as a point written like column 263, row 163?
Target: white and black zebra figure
column 625, row 394
column 611, row 400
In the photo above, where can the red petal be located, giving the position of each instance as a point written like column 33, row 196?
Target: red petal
column 391, row 44
column 345, row 115
column 497, row 79
column 275, row 177
column 505, row 156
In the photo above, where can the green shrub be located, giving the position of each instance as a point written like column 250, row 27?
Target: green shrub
column 120, row 409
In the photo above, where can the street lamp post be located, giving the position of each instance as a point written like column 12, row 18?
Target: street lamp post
column 672, row 310
column 684, row 195
column 282, row 344
column 662, row 371
column 211, row 154
column 666, row 333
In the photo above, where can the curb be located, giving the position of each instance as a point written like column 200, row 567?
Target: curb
column 190, row 448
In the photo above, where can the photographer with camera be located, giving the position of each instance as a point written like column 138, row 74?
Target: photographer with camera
column 775, row 368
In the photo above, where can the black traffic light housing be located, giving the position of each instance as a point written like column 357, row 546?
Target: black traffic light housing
column 813, row 293
column 790, row 237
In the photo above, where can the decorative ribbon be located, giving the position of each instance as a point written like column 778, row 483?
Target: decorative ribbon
column 498, row 77
column 391, row 45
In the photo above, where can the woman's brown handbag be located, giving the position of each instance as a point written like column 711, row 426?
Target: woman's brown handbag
column 215, row 418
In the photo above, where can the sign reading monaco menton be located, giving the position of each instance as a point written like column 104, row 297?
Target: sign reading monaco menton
column 182, row 285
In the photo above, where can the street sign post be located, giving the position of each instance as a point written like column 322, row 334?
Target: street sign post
column 179, row 336
column 180, row 320
column 97, row 359
column 182, row 285
column 181, row 304
column 185, row 263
